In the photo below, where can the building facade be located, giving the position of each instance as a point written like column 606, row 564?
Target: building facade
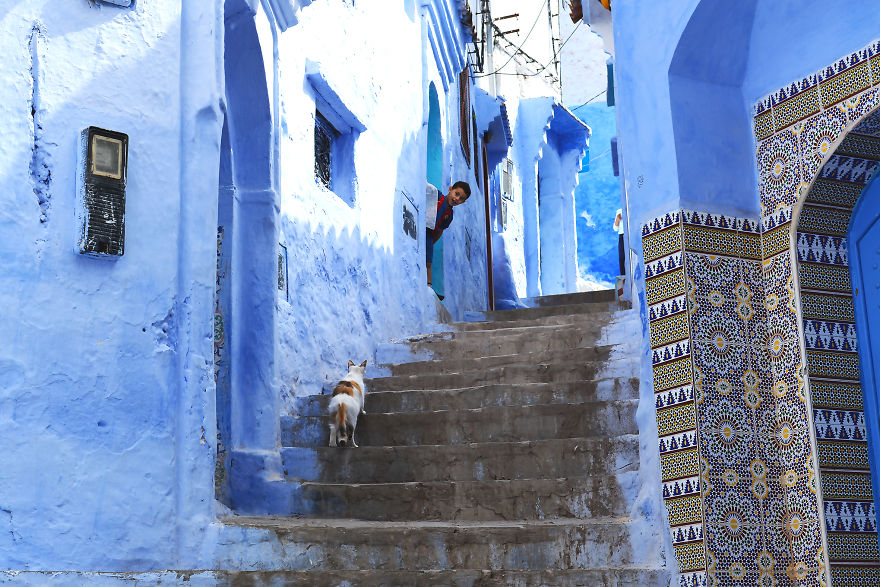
column 532, row 185
column 260, row 169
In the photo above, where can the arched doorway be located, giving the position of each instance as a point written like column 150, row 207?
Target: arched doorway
column 434, row 176
column 247, row 399
column 836, row 358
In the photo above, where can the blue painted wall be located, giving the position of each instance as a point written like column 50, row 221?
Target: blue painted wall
column 785, row 40
column 694, row 69
column 89, row 357
column 109, row 412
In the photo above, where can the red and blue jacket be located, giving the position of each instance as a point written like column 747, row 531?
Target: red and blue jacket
column 444, row 218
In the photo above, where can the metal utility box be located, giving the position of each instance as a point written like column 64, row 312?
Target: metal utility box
column 100, row 208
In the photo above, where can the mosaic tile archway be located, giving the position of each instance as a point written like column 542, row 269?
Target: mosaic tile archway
column 837, row 132
column 831, row 350
column 750, row 398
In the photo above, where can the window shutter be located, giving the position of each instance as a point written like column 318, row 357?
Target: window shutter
column 609, row 93
column 506, row 180
column 464, row 110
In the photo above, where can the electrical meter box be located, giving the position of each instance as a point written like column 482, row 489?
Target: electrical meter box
column 100, row 206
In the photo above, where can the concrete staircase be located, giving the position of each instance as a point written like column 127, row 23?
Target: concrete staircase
column 503, row 452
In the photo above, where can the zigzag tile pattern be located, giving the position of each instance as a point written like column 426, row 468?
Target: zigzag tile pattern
column 675, row 402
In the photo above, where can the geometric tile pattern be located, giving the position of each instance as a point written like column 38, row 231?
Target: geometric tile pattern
column 734, row 454
column 832, row 357
column 755, row 360
column 818, row 144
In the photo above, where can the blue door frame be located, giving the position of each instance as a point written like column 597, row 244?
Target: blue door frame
column 863, row 242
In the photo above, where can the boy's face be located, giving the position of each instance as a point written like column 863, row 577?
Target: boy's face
column 456, row 196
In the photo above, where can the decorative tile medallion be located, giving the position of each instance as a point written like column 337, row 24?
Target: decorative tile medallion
column 831, row 116
column 762, row 431
column 713, row 382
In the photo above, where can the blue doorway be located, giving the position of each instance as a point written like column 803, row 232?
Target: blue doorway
column 863, row 238
column 435, row 178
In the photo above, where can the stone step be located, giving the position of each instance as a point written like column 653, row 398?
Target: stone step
column 580, row 320
column 604, row 577
column 464, row 364
column 533, row 459
column 520, row 499
column 583, row 297
column 517, row 373
column 509, row 341
column 469, row 398
column 340, row 544
column 540, row 312
column 495, row 424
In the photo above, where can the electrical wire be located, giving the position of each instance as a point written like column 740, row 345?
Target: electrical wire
column 600, row 155
column 549, row 62
column 523, row 42
column 589, row 101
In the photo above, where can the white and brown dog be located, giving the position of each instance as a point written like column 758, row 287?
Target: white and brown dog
column 345, row 405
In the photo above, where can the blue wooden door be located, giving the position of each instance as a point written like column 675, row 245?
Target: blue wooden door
column 863, row 240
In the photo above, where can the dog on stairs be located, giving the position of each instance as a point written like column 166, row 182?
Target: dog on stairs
column 345, row 405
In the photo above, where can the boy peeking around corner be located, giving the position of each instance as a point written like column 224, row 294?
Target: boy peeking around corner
column 458, row 194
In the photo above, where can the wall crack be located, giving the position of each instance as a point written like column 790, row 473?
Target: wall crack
column 41, row 158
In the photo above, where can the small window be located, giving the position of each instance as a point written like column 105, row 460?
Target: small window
column 325, row 137
column 282, row 272
column 507, row 180
column 337, row 129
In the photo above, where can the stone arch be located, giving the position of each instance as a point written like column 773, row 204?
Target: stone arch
column 816, row 151
column 247, row 203
column 842, row 155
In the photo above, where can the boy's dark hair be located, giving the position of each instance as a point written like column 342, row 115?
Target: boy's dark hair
column 464, row 186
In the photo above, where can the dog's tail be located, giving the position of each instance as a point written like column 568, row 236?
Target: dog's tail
column 341, row 421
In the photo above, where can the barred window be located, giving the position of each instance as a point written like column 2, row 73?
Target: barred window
column 325, row 137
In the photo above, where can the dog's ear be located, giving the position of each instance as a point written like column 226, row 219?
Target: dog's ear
column 364, row 364
column 350, row 364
